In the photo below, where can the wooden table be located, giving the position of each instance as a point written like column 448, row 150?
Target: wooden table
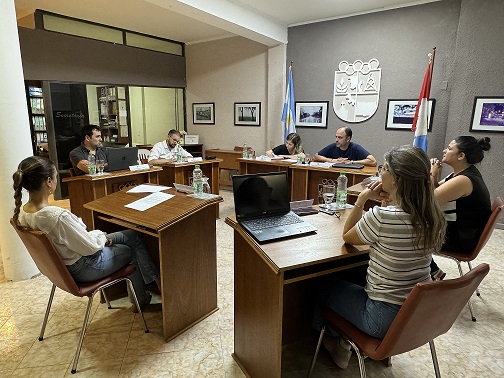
column 274, row 288
column 86, row 188
column 181, row 235
column 305, row 180
column 181, row 173
column 229, row 163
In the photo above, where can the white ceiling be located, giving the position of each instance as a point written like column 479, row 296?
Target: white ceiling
column 193, row 21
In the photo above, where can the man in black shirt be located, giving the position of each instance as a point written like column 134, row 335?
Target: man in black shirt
column 91, row 144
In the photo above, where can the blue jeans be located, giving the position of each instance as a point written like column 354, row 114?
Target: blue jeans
column 127, row 248
column 352, row 302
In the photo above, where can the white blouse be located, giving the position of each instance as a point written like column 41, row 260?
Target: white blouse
column 67, row 232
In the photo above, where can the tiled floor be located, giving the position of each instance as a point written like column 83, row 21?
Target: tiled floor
column 116, row 346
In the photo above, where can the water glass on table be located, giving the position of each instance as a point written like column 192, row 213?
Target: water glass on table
column 328, row 191
column 100, row 166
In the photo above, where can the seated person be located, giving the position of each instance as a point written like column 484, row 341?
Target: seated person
column 88, row 255
column 401, row 239
column 91, row 145
column 463, row 195
column 166, row 151
column 291, row 149
column 344, row 151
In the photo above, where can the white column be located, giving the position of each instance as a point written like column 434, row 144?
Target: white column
column 16, row 142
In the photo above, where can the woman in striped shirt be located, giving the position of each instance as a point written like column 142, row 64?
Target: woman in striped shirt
column 401, row 237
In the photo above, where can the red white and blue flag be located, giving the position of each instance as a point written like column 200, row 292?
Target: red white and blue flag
column 289, row 109
column 422, row 112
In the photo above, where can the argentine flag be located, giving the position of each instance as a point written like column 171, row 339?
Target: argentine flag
column 421, row 119
column 289, row 109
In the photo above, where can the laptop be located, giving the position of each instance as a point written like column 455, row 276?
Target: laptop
column 121, row 158
column 262, row 207
column 349, row 166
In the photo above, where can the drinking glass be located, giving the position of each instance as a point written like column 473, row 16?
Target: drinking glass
column 307, row 159
column 328, row 191
column 100, row 166
column 252, row 154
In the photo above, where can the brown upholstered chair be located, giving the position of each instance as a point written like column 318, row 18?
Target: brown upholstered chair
column 497, row 206
column 143, row 156
column 429, row 311
column 51, row 265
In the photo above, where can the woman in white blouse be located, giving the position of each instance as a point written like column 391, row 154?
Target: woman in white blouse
column 88, row 255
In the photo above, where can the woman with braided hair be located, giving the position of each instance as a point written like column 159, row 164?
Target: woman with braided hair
column 88, row 255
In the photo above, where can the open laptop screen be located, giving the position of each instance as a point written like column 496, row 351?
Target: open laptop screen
column 121, row 158
column 261, row 194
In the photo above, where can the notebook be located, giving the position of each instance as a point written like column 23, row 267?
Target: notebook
column 349, row 166
column 262, row 207
column 121, row 158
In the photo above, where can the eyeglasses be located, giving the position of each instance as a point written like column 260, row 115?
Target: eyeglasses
column 383, row 168
column 175, row 140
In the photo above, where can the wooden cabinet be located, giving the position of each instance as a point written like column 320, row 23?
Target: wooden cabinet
column 113, row 108
column 195, row 150
column 36, row 111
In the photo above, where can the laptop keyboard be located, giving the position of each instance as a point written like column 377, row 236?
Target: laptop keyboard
column 274, row 221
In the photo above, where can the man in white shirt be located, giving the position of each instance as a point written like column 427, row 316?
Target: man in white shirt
column 166, row 151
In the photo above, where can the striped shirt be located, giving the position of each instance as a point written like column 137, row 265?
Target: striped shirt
column 395, row 264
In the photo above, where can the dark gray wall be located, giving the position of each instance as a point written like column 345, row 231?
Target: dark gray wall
column 468, row 36
column 59, row 57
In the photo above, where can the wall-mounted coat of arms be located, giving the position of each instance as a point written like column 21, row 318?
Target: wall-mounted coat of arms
column 357, row 90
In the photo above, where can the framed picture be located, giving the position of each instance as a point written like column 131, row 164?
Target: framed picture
column 247, row 113
column 204, row 112
column 311, row 114
column 488, row 114
column 400, row 114
column 191, row 139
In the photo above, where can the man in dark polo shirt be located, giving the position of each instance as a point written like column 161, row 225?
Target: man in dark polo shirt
column 91, row 144
column 345, row 151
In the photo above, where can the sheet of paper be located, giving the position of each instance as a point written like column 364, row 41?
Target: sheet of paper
column 150, row 201
column 139, row 167
column 146, row 188
column 319, row 164
column 291, row 160
column 194, row 159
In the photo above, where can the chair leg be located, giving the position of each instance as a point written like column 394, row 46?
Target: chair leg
column 48, row 309
column 434, row 359
column 83, row 332
column 470, row 268
column 360, row 357
column 132, row 290
column 473, row 318
column 312, row 365
column 106, row 299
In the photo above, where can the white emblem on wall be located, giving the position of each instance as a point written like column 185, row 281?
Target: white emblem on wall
column 356, row 90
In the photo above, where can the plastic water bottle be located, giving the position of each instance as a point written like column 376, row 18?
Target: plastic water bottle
column 299, row 157
column 341, row 191
column 179, row 154
column 245, row 151
column 92, row 164
column 197, row 175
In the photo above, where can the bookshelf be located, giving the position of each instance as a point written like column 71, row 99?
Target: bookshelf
column 36, row 112
column 113, row 111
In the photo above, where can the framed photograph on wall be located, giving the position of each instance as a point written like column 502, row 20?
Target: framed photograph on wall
column 311, row 113
column 247, row 113
column 400, row 114
column 488, row 114
column 204, row 112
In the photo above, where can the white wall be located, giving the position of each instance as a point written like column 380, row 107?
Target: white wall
column 228, row 71
column 92, row 100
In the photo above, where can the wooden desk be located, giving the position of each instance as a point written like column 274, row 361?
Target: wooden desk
column 181, row 234
column 263, row 166
column 86, row 188
column 274, row 286
column 181, row 173
column 306, row 181
column 229, row 163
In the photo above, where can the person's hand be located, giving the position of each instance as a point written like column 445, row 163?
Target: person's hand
column 436, row 165
column 374, row 191
column 108, row 243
